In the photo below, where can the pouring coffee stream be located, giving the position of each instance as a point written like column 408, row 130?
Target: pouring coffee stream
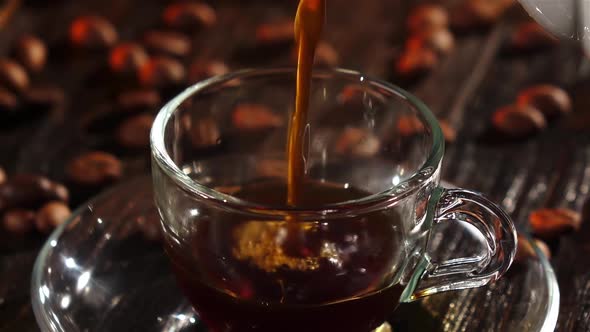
column 308, row 29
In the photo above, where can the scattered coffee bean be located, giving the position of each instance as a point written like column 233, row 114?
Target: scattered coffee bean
column 551, row 223
column 200, row 70
column 2, row 175
column 531, row 36
column 549, row 99
column 357, row 142
column 138, row 100
column 51, row 215
column 416, row 62
column 167, row 43
column 8, row 101
column 409, row 125
column 543, row 247
column 276, row 32
column 440, row 41
column 230, row 190
column 448, row 131
column 189, row 15
column 525, row 250
column 93, row 31
column 13, row 76
column 161, row 72
column 518, row 120
column 31, row 52
column 134, row 133
column 19, row 221
column 95, row 169
column 427, row 17
column 202, row 132
column 127, row 58
column 29, row 191
column 472, row 14
column 44, row 97
column 255, row 116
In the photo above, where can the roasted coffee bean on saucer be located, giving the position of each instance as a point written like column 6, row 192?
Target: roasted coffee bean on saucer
column 202, row 69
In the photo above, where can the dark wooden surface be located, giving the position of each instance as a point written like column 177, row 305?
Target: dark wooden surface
column 551, row 169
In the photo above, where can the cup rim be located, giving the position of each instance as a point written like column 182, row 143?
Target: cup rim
column 368, row 203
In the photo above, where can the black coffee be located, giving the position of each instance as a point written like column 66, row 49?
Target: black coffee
column 245, row 275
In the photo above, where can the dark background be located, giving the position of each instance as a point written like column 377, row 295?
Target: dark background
column 551, row 169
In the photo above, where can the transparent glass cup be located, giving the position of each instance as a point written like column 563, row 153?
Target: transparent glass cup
column 355, row 247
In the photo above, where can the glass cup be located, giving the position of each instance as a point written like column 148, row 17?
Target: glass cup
column 355, row 247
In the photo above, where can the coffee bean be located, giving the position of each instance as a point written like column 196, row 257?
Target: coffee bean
column 161, row 72
column 416, row 62
column 189, row 15
column 531, row 36
column 19, row 221
column 127, row 58
column 427, row 17
column 276, row 32
column 134, row 133
column 13, row 76
column 167, row 43
column 29, row 191
column 357, row 142
column 2, row 175
column 448, row 131
column 44, row 97
column 93, row 31
column 139, row 100
column 95, row 169
column 200, row 70
column 471, row 14
column 551, row 223
column 440, row 41
column 8, row 101
column 518, row 120
column 549, row 99
column 31, row 52
column 409, row 125
column 202, row 132
column 255, row 116
column 51, row 215
column 525, row 250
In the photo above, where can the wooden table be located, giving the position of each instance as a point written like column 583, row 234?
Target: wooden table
column 551, row 169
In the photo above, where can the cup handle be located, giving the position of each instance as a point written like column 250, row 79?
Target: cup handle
column 490, row 220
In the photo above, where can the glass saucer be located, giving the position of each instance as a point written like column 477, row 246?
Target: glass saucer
column 104, row 270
